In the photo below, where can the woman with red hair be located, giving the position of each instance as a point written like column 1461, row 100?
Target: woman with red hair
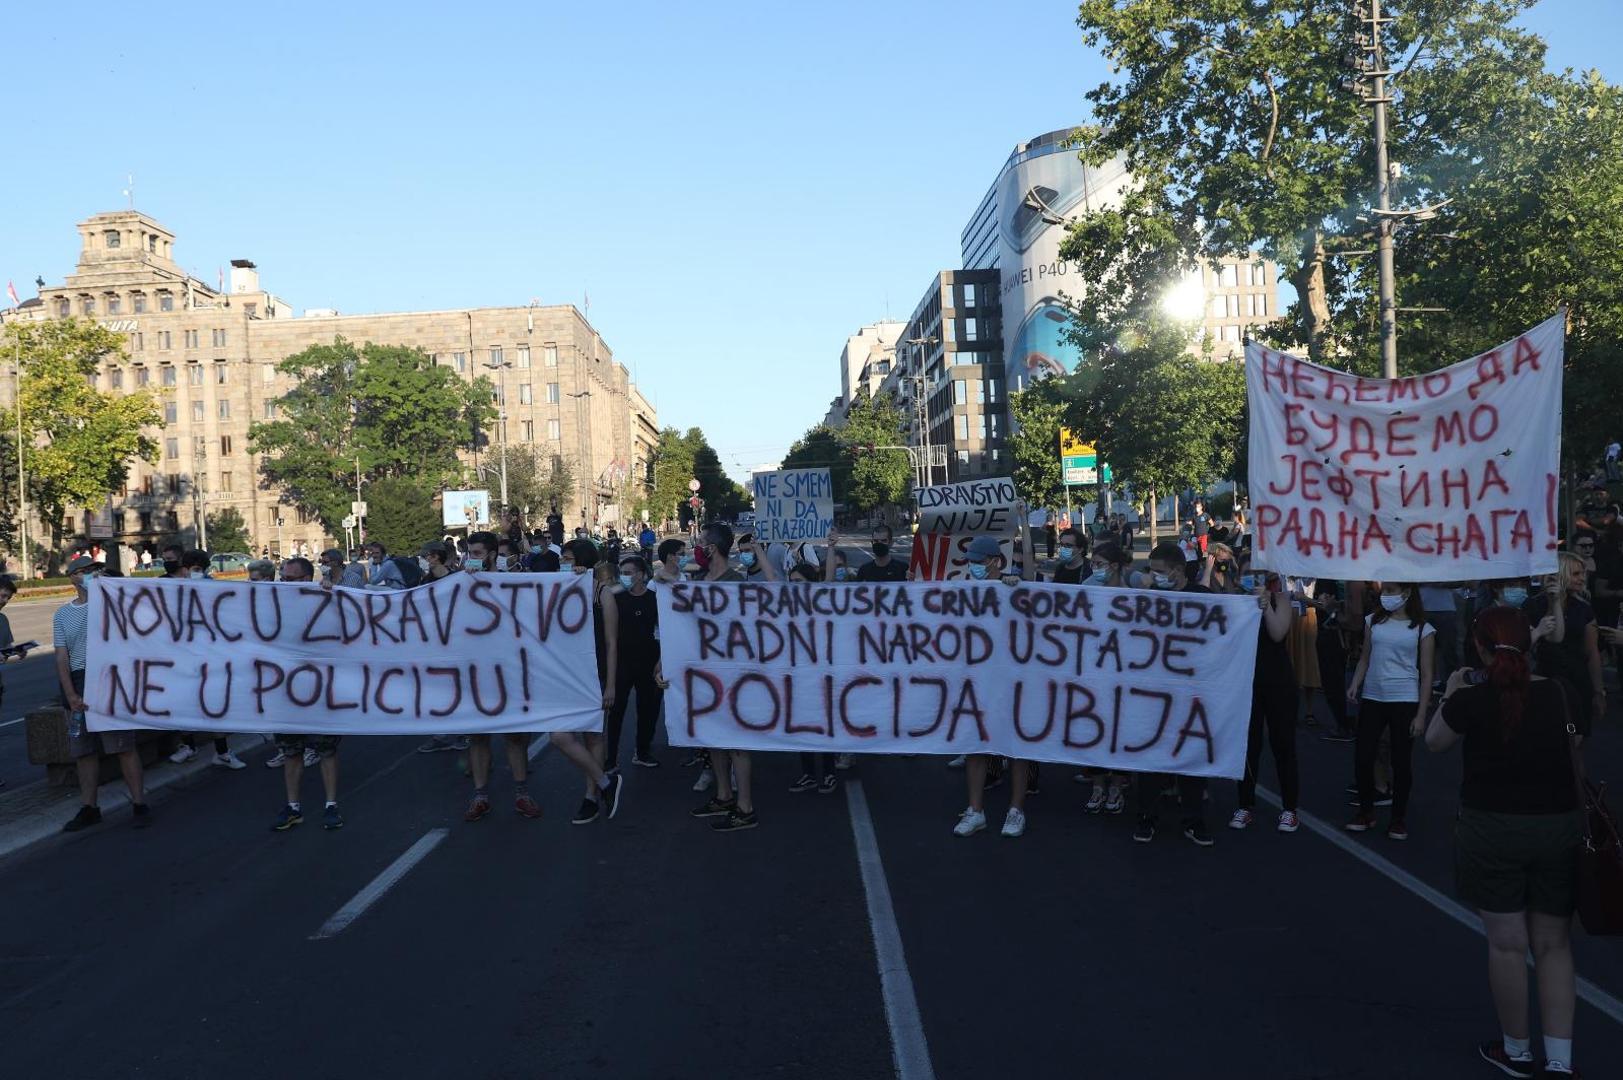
column 1517, row 834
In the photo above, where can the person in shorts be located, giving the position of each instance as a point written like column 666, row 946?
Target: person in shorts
column 70, row 633
column 296, row 750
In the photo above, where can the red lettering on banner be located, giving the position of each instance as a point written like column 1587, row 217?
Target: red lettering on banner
column 1449, row 427
column 1491, row 478
column 1404, row 389
column 1489, row 369
column 1273, row 367
column 1525, row 355
column 1460, row 483
column 1436, row 384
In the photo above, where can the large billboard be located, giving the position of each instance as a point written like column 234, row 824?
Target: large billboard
column 1043, row 183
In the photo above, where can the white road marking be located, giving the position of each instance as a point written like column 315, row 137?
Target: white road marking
column 380, row 885
column 909, row 1050
column 1588, row 991
column 8, row 723
column 539, row 746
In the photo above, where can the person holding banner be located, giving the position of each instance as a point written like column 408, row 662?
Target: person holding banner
column 883, row 567
column 70, row 634
column 1392, row 687
column 735, row 809
column 985, row 558
column 1273, row 702
column 636, row 665
column 1109, row 565
column 1169, row 571
column 295, row 750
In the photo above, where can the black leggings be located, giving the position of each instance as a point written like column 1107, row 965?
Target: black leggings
column 1273, row 708
column 649, row 699
column 816, row 764
column 1393, row 717
column 1333, row 674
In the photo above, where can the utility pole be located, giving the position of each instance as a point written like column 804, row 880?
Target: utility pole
column 922, row 404
column 1383, row 188
column 500, row 368
column 360, row 519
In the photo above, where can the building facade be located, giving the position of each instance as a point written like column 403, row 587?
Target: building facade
column 868, row 357
column 209, row 354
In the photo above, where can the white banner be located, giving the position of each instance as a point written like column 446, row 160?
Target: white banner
column 793, row 504
column 951, row 515
column 468, row 654
column 1117, row 678
column 1447, row 476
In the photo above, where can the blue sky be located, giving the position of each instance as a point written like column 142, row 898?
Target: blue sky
column 737, row 186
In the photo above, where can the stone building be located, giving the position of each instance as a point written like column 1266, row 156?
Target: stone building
column 209, row 353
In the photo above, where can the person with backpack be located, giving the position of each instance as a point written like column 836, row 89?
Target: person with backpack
column 384, row 572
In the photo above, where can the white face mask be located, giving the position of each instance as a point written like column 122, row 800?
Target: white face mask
column 625, row 581
column 195, row 574
column 1393, row 603
column 422, row 564
column 1162, row 581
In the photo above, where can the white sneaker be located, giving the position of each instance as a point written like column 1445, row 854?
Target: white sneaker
column 275, row 760
column 1241, row 819
column 958, row 762
column 970, row 822
column 706, row 777
column 1096, row 800
column 182, row 755
column 310, row 758
column 842, row 761
column 228, row 760
column 1015, row 823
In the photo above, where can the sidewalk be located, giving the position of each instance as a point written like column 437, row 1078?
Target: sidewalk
column 37, row 811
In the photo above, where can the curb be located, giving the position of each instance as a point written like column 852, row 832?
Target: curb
column 37, row 811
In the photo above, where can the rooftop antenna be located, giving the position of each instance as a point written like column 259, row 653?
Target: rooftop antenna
column 129, row 192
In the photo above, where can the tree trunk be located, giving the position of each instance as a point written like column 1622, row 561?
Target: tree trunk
column 1154, row 533
column 1312, row 295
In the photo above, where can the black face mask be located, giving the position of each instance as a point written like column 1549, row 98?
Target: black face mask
column 170, row 566
column 880, row 548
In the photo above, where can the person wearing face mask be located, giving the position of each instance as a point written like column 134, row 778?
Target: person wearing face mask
column 335, row 571
column 603, row 785
column 1393, row 688
column 883, row 567
column 1218, row 570
column 1273, row 702
column 1072, row 565
column 195, row 566
column 1169, row 572
column 296, row 753
column 1107, row 567
column 1570, row 651
column 70, row 635
column 434, row 561
column 672, row 554
column 541, row 557
column 984, row 558
column 752, row 560
column 382, row 572
column 733, row 807
column 636, row 665
column 172, row 556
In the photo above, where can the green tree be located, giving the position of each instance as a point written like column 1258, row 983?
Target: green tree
column 78, row 442
column 386, row 410
column 824, row 448
column 536, row 485
column 1234, row 115
column 1038, row 413
column 401, row 515
column 673, row 468
column 227, row 531
column 883, row 477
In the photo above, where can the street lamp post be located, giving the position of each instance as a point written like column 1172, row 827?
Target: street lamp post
column 22, row 487
column 923, row 403
column 587, row 497
column 500, row 368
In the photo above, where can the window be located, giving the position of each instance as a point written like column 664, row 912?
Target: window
column 963, row 459
column 142, row 376
column 963, row 427
column 87, row 305
column 1259, row 274
column 1228, row 276
column 197, row 412
column 152, row 243
column 267, row 374
column 972, row 330
column 220, row 374
column 524, row 393
column 171, row 449
column 552, row 393
column 168, row 376
column 557, row 464
column 980, row 426
column 146, row 484
column 64, row 308
column 166, row 300
column 523, row 356
column 219, row 339
column 225, row 481
column 252, row 310
column 146, row 521
column 138, row 302
column 111, row 238
column 171, row 412
column 114, row 305
column 969, row 296
column 549, row 355
column 552, row 430
column 996, row 457
column 270, row 410
column 115, row 378
column 994, row 392
column 996, row 425
column 980, row 391
column 946, row 296
column 495, row 358
column 225, row 446
column 200, row 446
column 165, row 340
column 137, row 342
column 173, row 521
column 188, row 339
column 460, row 361
column 225, row 410
column 959, row 396
column 1262, row 305
column 528, row 431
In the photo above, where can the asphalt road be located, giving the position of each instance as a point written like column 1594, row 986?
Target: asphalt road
column 649, row 946
column 30, row 683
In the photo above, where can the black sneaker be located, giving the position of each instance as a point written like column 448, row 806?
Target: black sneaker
column 143, row 815
column 1195, row 832
column 611, row 794
column 736, row 821
column 644, row 762
column 1382, row 798
column 827, row 784
column 1494, row 1054
column 586, row 814
column 86, row 817
column 694, row 760
column 1144, row 831
column 715, row 807
column 1339, row 736
column 806, row 782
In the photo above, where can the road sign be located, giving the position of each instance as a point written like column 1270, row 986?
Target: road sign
column 358, row 509
column 693, row 485
column 1070, row 446
column 694, row 502
column 1082, row 469
column 349, row 522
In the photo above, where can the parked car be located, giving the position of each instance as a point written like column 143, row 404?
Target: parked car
column 231, row 560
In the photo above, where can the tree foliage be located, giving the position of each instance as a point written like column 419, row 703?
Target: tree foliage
column 821, row 447
column 400, row 514
column 1038, row 413
column 680, row 458
column 227, row 531
column 536, row 485
column 1233, row 118
column 883, row 477
column 77, row 441
column 388, row 408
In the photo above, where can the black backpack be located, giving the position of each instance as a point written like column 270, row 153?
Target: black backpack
column 410, row 572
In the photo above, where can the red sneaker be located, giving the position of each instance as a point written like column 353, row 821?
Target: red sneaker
column 1360, row 823
column 477, row 809
column 526, row 806
column 1397, row 830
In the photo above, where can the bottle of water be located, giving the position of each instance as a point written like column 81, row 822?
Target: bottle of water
column 76, row 725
